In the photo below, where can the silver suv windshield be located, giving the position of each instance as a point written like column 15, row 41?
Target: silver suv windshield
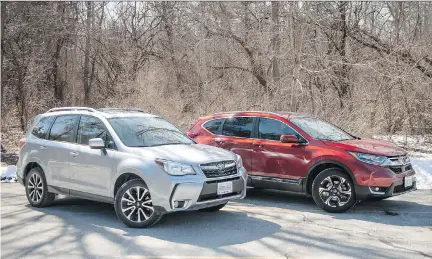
column 147, row 132
column 320, row 129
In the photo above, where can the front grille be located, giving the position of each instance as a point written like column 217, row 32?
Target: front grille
column 401, row 188
column 223, row 180
column 214, row 196
column 219, row 169
column 400, row 169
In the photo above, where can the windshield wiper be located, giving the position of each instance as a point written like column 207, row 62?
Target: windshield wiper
column 154, row 129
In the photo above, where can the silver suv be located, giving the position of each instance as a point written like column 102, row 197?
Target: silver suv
column 138, row 161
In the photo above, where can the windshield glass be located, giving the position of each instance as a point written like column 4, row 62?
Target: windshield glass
column 147, row 132
column 320, row 129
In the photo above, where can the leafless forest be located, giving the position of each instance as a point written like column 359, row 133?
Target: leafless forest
column 365, row 66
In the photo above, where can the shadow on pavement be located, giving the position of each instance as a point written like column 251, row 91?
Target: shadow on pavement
column 225, row 227
column 400, row 212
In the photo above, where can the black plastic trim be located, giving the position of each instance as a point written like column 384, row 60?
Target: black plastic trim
column 364, row 192
column 265, row 182
column 82, row 195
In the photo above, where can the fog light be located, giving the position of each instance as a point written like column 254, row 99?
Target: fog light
column 378, row 190
column 179, row 204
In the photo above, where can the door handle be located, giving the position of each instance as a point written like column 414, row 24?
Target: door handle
column 219, row 141
column 257, row 144
column 43, row 147
column 74, row 154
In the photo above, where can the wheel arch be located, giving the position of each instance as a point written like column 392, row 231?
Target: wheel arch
column 321, row 166
column 29, row 167
column 122, row 178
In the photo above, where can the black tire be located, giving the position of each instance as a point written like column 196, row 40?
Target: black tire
column 214, row 208
column 336, row 199
column 139, row 207
column 36, row 189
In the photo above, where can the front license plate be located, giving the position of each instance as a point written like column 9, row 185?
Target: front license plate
column 408, row 181
column 224, row 188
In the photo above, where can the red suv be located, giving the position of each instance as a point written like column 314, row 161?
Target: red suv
column 300, row 153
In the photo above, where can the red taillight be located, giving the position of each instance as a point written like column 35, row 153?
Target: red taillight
column 22, row 142
column 191, row 134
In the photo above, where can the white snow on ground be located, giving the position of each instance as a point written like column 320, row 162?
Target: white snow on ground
column 420, row 152
column 422, row 164
column 8, row 174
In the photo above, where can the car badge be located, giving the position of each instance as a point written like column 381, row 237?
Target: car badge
column 220, row 166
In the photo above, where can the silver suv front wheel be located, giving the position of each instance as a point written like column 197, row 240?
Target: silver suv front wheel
column 133, row 205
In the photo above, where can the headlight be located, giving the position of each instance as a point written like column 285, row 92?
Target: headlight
column 371, row 159
column 239, row 161
column 175, row 168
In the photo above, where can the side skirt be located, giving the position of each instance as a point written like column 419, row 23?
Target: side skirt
column 264, row 182
column 78, row 194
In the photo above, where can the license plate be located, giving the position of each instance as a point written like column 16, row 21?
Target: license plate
column 408, row 181
column 224, row 188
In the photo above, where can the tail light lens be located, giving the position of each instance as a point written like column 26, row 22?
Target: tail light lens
column 22, row 142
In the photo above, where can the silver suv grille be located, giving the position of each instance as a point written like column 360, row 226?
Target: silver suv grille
column 219, row 169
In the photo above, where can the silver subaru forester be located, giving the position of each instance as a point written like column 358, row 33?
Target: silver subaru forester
column 138, row 161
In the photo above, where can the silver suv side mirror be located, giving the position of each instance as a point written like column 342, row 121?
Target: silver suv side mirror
column 96, row 143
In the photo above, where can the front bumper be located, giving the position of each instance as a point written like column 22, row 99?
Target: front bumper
column 202, row 193
column 397, row 188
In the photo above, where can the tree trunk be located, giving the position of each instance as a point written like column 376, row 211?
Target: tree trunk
column 86, row 72
column 275, row 43
column 3, row 19
column 167, row 18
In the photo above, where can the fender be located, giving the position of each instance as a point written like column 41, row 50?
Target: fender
column 28, row 160
column 328, row 161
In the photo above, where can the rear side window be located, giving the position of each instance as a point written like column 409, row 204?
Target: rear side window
column 238, row 127
column 63, row 128
column 213, row 125
column 272, row 129
column 91, row 127
column 41, row 129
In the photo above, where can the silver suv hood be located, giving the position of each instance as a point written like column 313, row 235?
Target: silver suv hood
column 189, row 154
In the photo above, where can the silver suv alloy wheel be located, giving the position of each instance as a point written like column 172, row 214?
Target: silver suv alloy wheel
column 136, row 204
column 35, row 188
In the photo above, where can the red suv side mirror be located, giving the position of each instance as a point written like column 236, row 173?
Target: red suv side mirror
column 289, row 139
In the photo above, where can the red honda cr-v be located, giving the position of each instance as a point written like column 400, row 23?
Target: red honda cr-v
column 301, row 153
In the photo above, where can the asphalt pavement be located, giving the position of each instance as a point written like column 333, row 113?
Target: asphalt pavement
column 267, row 224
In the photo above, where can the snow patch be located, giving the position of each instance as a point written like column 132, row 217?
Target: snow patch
column 8, row 174
column 422, row 164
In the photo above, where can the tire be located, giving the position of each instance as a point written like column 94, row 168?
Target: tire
column 331, row 198
column 214, row 208
column 37, row 189
column 133, row 205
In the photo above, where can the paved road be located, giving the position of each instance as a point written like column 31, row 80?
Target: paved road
column 265, row 224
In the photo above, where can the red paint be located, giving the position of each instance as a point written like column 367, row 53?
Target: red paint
column 293, row 160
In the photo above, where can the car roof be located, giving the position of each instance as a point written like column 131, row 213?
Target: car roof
column 286, row 115
column 103, row 112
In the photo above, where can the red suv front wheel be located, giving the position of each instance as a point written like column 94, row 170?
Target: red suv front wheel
column 333, row 190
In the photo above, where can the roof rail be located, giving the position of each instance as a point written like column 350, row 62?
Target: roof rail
column 71, row 109
column 120, row 109
column 228, row 112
